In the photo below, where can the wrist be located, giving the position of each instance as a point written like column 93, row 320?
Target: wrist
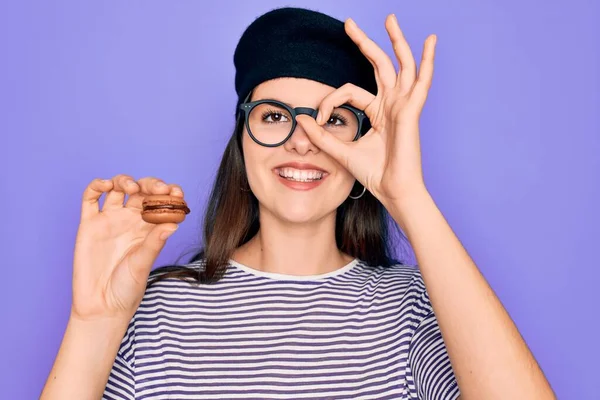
column 409, row 205
column 90, row 317
column 100, row 325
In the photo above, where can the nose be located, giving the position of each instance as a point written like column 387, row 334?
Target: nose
column 300, row 143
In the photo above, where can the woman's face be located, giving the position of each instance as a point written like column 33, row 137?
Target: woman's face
column 295, row 182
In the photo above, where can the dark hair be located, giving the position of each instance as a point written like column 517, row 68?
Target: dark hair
column 362, row 229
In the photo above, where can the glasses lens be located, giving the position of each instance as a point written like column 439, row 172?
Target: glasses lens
column 343, row 123
column 270, row 123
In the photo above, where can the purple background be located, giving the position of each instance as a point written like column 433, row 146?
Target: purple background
column 510, row 139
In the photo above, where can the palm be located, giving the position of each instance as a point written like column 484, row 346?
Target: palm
column 103, row 279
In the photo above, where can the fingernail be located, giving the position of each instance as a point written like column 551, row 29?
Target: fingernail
column 165, row 235
column 130, row 183
column 161, row 184
column 318, row 119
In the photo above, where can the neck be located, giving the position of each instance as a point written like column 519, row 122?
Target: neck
column 293, row 249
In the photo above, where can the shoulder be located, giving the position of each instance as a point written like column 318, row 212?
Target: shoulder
column 407, row 275
column 400, row 281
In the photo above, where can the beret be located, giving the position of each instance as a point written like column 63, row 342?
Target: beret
column 299, row 43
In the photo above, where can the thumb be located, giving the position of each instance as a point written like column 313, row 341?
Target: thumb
column 324, row 140
column 145, row 255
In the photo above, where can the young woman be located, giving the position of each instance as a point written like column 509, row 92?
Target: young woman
column 295, row 293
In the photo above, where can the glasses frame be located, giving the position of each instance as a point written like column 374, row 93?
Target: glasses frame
column 247, row 107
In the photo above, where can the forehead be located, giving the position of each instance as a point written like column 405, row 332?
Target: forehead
column 297, row 92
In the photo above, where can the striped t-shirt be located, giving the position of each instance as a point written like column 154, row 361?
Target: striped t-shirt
column 360, row 332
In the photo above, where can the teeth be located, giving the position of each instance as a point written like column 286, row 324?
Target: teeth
column 300, row 175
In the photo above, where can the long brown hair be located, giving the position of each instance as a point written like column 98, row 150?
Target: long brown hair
column 363, row 227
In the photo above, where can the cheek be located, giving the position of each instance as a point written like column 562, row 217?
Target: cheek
column 256, row 158
column 345, row 179
column 343, row 187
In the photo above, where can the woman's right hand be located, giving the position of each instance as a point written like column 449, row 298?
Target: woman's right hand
column 115, row 249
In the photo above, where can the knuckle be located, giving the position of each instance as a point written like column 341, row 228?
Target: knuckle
column 95, row 183
column 95, row 189
column 348, row 87
column 120, row 181
column 147, row 181
column 120, row 177
column 126, row 178
column 350, row 91
column 145, row 184
column 154, row 185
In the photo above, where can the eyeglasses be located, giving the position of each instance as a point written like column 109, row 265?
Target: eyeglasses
column 270, row 123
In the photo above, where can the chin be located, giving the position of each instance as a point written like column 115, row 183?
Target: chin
column 296, row 211
column 299, row 206
column 299, row 212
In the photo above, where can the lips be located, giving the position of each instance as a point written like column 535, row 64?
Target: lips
column 300, row 176
column 301, row 166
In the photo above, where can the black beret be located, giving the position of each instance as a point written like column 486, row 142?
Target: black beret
column 299, row 43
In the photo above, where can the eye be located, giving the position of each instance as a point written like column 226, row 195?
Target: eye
column 274, row 117
column 337, row 119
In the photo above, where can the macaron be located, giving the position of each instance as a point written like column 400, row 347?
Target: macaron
column 163, row 208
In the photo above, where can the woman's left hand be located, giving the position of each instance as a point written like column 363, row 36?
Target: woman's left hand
column 387, row 159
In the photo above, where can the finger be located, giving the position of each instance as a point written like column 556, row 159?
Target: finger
column 348, row 93
column 408, row 69
column 144, row 256
column 421, row 89
column 137, row 200
column 90, row 204
column 122, row 184
column 151, row 185
column 385, row 71
column 148, row 185
column 176, row 190
column 324, row 140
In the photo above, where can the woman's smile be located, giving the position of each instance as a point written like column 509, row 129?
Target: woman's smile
column 300, row 176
